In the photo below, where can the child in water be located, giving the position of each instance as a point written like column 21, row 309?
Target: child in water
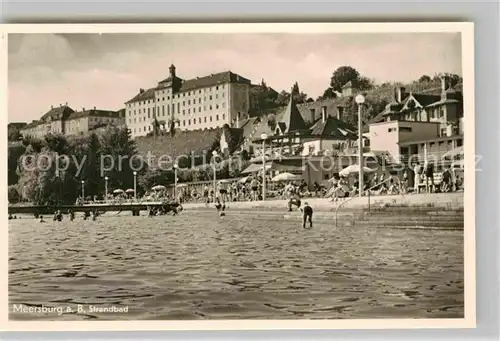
column 41, row 219
column 308, row 213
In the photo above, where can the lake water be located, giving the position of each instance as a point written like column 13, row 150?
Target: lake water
column 202, row 266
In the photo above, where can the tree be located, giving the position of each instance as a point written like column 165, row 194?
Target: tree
column 13, row 194
column 424, row 79
column 13, row 134
column 343, row 75
column 15, row 151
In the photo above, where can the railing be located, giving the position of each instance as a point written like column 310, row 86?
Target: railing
column 354, row 197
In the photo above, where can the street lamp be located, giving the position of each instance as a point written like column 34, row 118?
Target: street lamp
column 175, row 180
column 106, row 189
column 263, row 137
column 360, row 99
column 214, row 153
column 135, row 185
column 83, row 190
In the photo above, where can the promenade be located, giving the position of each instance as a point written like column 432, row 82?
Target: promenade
column 453, row 200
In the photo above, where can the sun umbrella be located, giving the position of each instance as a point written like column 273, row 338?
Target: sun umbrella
column 181, row 185
column 130, row 190
column 158, row 188
column 354, row 169
column 458, row 164
column 459, row 151
column 286, row 177
column 118, row 191
column 225, row 181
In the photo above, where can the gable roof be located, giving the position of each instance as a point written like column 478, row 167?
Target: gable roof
column 213, row 79
column 292, row 118
column 57, row 113
column 143, row 95
column 333, row 127
column 422, row 99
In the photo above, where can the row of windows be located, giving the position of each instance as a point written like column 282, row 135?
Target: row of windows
column 189, row 110
column 143, row 119
column 179, row 95
column 149, row 128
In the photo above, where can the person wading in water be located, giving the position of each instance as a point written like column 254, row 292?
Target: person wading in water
column 308, row 213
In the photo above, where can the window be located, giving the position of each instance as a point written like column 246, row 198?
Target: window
column 149, row 128
column 217, row 87
column 443, row 131
column 210, row 118
column 183, row 103
column 163, row 110
column 189, row 93
column 216, row 96
column 405, row 129
column 163, row 98
column 184, row 123
column 210, row 107
column 189, row 102
column 178, row 108
column 210, row 97
column 441, row 112
column 139, row 129
column 205, row 119
column 460, row 143
column 205, row 98
column 222, row 95
column 168, row 109
column 189, row 111
column 199, row 109
column 199, row 91
column 223, row 116
column 223, row 104
column 184, row 111
column 390, row 130
column 217, row 117
column 189, row 122
column 216, row 106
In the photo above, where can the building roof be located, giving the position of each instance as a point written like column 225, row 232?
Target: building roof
column 17, row 125
column 143, row 95
column 423, row 99
column 443, row 101
column 213, row 79
column 94, row 113
column 333, row 127
column 292, row 120
column 57, row 113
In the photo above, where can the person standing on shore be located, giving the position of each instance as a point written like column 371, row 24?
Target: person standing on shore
column 417, row 169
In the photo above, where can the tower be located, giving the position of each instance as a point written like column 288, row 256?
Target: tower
column 172, row 70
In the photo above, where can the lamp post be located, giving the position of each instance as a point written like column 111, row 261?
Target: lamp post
column 135, row 185
column 214, row 153
column 175, row 180
column 263, row 137
column 360, row 99
column 83, row 190
column 106, row 189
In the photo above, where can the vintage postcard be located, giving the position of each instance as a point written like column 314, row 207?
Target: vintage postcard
column 238, row 176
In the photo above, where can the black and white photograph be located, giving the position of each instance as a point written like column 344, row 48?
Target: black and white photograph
column 291, row 173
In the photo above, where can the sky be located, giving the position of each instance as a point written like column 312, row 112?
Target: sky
column 106, row 70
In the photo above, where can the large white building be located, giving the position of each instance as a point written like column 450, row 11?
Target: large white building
column 198, row 103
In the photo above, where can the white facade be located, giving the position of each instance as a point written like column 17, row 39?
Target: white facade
column 386, row 136
column 199, row 108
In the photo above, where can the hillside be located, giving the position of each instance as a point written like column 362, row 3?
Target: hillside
column 183, row 143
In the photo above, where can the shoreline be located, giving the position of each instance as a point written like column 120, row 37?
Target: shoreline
column 453, row 200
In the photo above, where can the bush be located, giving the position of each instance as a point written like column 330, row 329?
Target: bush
column 13, row 194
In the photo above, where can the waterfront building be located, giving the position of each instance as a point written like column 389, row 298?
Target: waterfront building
column 420, row 124
column 64, row 120
column 199, row 103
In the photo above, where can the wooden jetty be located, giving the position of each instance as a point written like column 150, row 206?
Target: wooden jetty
column 134, row 207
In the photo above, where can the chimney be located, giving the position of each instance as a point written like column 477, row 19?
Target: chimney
column 340, row 113
column 444, row 83
column 83, row 109
column 141, row 90
column 400, row 92
column 94, row 107
column 312, row 115
column 60, row 105
column 323, row 114
column 238, row 119
column 66, row 104
column 51, row 107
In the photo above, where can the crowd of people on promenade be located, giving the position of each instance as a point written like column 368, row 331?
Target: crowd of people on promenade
column 419, row 179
